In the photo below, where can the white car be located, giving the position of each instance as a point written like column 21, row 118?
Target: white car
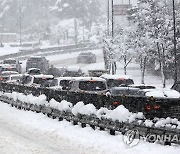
column 14, row 78
column 36, row 80
column 61, row 83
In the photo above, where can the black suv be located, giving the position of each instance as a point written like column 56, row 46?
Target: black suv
column 38, row 62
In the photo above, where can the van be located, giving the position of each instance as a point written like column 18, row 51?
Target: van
column 38, row 62
column 93, row 85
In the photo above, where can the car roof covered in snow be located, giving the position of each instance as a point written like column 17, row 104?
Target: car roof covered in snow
column 117, row 76
column 89, row 79
column 43, row 76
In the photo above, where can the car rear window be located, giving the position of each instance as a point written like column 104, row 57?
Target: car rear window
column 92, row 85
column 41, row 80
column 35, row 59
column 54, row 83
column 119, row 82
column 9, row 62
column 65, row 83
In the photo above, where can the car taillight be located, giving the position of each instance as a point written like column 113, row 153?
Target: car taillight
column 148, row 107
column 115, row 103
column 156, row 107
column 120, row 79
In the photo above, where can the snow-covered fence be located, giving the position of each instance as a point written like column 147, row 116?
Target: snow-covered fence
column 117, row 120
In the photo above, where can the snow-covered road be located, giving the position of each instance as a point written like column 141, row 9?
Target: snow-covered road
column 18, row 136
column 25, row 132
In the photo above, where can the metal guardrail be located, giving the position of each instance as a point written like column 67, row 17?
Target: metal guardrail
column 169, row 107
column 49, row 51
column 93, row 121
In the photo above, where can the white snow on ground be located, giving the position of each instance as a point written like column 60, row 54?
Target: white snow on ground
column 25, row 132
column 7, row 49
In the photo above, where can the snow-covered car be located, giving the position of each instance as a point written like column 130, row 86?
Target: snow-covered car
column 61, row 83
column 117, row 80
column 38, row 62
column 93, row 85
column 14, row 78
column 36, row 80
column 34, row 71
column 73, row 71
column 97, row 72
column 159, row 93
column 86, row 57
column 28, row 46
column 5, row 74
column 12, row 64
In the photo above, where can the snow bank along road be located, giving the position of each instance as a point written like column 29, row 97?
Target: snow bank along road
column 26, row 132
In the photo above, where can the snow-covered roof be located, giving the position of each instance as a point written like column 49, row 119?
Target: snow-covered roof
column 117, row 76
column 30, row 69
column 43, row 76
column 90, row 79
column 162, row 93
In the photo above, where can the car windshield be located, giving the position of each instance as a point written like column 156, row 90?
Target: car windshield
column 35, row 59
column 9, row 62
column 86, row 53
column 92, row 85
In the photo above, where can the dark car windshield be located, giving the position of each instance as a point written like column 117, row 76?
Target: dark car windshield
column 92, row 85
column 86, row 54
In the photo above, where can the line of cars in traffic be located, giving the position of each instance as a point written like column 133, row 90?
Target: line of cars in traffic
column 38, row 74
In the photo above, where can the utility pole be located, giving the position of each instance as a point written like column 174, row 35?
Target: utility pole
column 20, row 22
column 108, row 17
column 112, row 17
column 175, row 43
